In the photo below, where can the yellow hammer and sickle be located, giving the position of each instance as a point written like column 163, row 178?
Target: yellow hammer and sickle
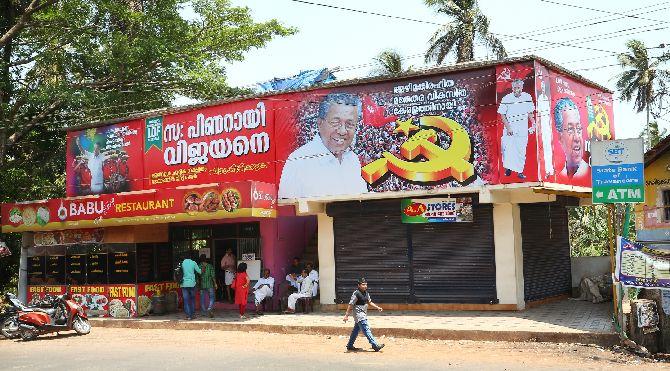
column 442, row 163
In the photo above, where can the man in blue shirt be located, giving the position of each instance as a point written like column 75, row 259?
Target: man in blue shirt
column 189, row 267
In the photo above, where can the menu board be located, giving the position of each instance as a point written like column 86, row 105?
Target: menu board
column 164, row 262
column 36, row 269
column 122, row 267
column 145, row 263
column 76, row 269
column 97, row 268
column 55, row 270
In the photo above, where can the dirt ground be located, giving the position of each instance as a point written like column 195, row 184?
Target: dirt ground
column 110, row 348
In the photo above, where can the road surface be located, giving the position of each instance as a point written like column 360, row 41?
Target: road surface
column 110, row 348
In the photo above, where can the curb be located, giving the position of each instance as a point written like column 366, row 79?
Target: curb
column 597, row 338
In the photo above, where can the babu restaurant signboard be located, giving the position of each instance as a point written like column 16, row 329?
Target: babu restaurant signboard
column 618, row 171
column 437, row 210
column 212, row 201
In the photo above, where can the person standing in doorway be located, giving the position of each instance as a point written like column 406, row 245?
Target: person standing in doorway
column 359, row 302
column 241, row 286
column 207, row 286
column 228, row 267
column 189, row 268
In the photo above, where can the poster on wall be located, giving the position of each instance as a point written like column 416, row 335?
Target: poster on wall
column 105, row 160
column 517, row 127
column 641, row 266
column 426, row 133
column 43, row 295
column 233, row 142
column 437, row 210
column 118, row 301
column 577, row 115
column 145, row 291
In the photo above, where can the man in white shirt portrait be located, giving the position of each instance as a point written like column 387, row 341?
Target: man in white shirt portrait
column 516, row 111
column 326, row 165
column 264, row 288
column 95, row 161
column 569, row 128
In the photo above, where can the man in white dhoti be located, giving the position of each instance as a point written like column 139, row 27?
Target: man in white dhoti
column 314, row 276
column 544, row 113
column 305, row 292
column 516, row 110
column 264, row 288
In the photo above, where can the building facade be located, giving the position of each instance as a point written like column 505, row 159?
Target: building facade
column 444, row 188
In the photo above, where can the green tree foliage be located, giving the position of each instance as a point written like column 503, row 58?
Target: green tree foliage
column 468, row 24
column 588, row 228
column 655, row 134
column 71, row 62
column 643, row 80
column 390, row 64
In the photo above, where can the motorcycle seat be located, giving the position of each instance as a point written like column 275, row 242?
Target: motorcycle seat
column 48, row 311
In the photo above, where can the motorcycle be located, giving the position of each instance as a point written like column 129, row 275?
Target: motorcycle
column 64, row 315
column 9, row 318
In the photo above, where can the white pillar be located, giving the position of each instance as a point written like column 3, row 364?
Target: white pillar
column 508, row 254
column 326, row 259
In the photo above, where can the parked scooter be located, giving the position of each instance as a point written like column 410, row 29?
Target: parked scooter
column 9, row 318
column 64, row 315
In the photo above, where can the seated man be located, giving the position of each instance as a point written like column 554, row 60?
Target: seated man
column 314, row 275
column 305, row 292
column 264, row 288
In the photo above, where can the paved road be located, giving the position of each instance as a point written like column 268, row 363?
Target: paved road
column 109, row 348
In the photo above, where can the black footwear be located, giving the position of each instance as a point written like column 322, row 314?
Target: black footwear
column 378, row 348
column 353, row 349
column 508, row 172
column 521, row 176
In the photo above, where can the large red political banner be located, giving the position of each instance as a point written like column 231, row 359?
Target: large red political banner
column 430, row 132
column 461, row 129
column 570, row 114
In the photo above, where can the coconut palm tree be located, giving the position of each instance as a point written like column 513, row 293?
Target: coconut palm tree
column 641, row 77
column 468, row 24
column 390, row 63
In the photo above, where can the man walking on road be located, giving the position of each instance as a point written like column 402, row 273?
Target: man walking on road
column 359, row 302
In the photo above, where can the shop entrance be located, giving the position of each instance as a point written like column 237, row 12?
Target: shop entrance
column 215, row 240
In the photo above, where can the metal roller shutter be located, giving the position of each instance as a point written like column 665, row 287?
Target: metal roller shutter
column 455, row 262
column 546, row 249
column 370, row 241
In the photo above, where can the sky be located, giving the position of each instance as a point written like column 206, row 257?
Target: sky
column 349, row 40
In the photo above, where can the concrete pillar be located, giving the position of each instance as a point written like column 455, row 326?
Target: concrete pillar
column 508, row 254
column 27, row 240
column 326, row 259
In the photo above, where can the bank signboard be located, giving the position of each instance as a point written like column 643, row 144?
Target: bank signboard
column 618, row 171
column 437, row 210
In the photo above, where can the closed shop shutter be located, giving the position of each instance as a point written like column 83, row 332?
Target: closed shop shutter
column 455, row 262
column 371, row 242
column 409, row 263
column 546, row 249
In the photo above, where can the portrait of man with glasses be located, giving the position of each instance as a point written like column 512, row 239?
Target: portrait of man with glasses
column 326, row 165
column 569, row 129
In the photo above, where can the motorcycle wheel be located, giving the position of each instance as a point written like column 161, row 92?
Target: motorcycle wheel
column 10, row 328
column 81, row 325
column 27, row 335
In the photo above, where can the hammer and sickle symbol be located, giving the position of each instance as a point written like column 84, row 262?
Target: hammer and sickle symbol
column 441, row 163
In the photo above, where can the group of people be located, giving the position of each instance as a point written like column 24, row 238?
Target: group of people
column 303, row 282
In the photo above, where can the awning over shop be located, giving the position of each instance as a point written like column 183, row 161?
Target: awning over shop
column 191, row 203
